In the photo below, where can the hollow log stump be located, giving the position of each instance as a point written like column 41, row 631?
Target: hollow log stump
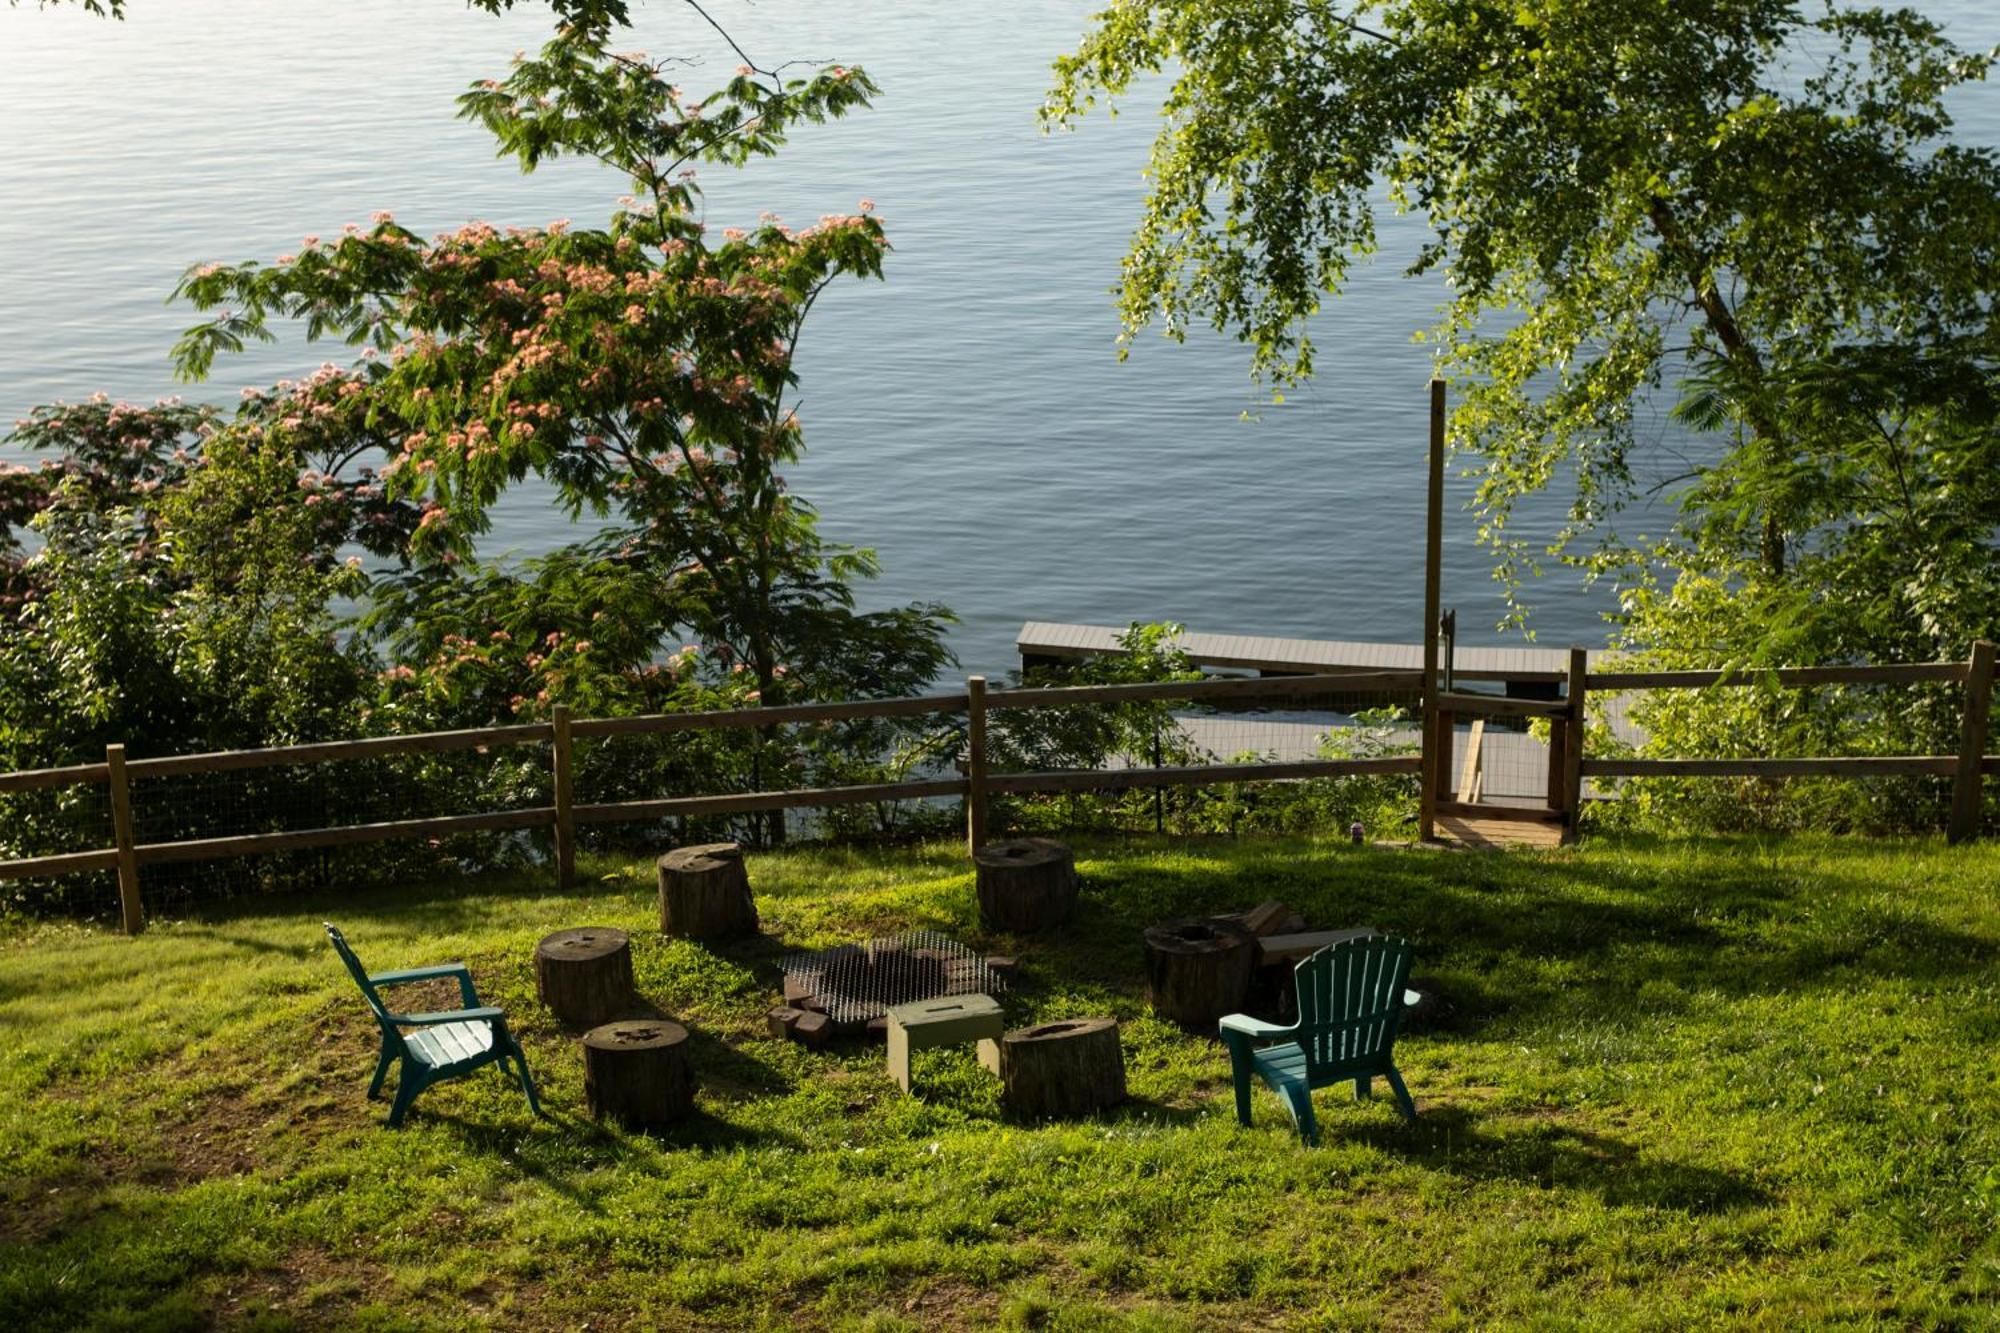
column 1197, row 970
column 1067, row 1068
column 1025, row 885
column 637, row 1072
column 584, row 976
column 705, row 893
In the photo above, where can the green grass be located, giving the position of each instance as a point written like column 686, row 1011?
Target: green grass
column 1712, row 1082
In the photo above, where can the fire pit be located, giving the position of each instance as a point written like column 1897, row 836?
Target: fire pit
column 856, row 983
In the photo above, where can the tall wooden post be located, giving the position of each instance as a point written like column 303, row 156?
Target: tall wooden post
column 1966, row 791
column 1571, row 757
column 975, row 763
column 129, row 907
column 560, row 757
column 1437, row 749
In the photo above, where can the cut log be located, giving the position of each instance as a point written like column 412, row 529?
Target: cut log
column 1296, row 948
column 1265, row 918
column 705, row 893
column 1073, row 1067
column 1197, row 970
column 637, row 1072
column 584, row 976
column 1025, row 885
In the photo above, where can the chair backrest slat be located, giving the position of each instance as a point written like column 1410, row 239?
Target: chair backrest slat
column 360, row 975
column 1350, row 999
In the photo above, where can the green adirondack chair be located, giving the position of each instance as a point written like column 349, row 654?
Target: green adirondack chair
column 446, row 1045
column 1351, row 1001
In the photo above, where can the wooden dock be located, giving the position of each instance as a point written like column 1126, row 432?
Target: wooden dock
column 1046, row 641
column 1499, row 774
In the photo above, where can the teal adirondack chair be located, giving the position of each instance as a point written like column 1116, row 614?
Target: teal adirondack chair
column 1351, row 1001
column 446, row 1045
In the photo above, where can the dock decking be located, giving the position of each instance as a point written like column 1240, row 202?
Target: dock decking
column 1542, row 666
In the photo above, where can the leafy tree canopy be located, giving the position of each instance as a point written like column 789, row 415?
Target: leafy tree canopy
column 1753, row 205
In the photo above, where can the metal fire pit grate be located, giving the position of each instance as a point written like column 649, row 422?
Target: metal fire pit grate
column 854, row 983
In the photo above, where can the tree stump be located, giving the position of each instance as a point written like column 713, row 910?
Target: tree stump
column 705, row 893
column 1069, row 1068
column 1025, row 885
column 1197, row 970
column 585, row 975
column 637, row 1072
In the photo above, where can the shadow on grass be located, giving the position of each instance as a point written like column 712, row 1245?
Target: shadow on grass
column 1507, row 933
column 1548, row 1154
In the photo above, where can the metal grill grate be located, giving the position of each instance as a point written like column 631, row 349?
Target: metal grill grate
column 854, row 983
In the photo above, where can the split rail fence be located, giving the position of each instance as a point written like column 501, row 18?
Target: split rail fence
column 562, row 817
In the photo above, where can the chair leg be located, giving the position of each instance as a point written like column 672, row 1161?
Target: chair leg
column 1239, row 1074
column 388, row 1058
column 1300, row 1101
column 527, row 1081
column 408, row 1085
column 1363, row 1088
column 1402, row 1094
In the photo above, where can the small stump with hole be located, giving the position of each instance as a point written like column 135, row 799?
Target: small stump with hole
column 637, row 1072
column 1198, row 969
column 1025, row 885
column 1071, row 1067
column 705, row 893
column 584, row 975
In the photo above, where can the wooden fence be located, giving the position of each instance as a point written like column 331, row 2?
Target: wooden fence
column 1441, row 805
column 561, row 734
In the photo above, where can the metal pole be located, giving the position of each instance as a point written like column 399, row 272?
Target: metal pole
column 1436, row 749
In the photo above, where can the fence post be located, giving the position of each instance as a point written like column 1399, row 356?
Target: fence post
column 1445, row 725
column 975, row 763
column 1966, row 791
column 1572, row 752
column 129, row 907
column 565, row 796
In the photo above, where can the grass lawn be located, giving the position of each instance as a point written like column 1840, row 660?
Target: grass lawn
column 1717, row 1082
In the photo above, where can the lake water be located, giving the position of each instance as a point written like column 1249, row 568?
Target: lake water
column 967, row 417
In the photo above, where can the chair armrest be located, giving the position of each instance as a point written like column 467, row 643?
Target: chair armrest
column 466, row 994
column 417, row 974
column 1243, row 1025
column 488, row 1014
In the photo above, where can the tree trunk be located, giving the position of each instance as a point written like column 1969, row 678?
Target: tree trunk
column 585, row 975
column 1197, row 970
column 705, row 893
column 1025, row 885
column 638, row 1072
column 1070, row 1068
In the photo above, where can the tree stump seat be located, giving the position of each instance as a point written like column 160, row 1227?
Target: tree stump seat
column 705, row 893
column 637, row 1072
column 1070, row 1067
column 1198, row 969
column 1025, row 885
column 584, row 975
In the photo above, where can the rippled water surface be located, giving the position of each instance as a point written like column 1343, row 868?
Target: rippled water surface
column 967, row 417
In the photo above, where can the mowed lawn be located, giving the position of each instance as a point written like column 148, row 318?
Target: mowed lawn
column 1722, row 1082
